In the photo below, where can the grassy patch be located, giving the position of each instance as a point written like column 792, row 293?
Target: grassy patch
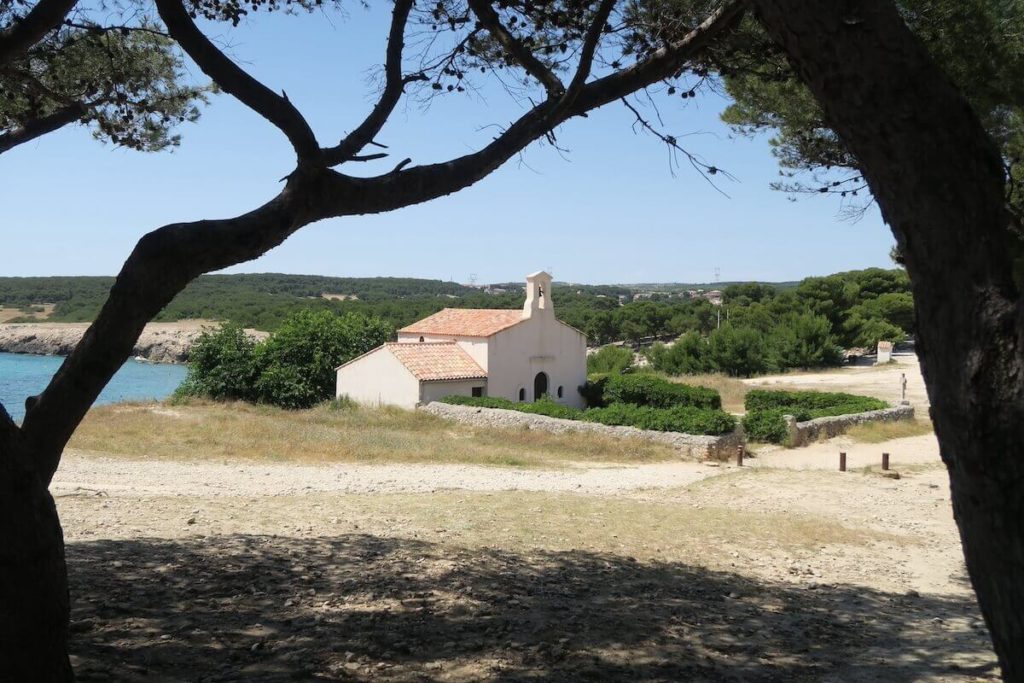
column 877, row 432
column 225, row 431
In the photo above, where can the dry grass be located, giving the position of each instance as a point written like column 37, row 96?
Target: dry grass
column 732, row 390
column 10, row 313
column 878, row 432
column 204, row 430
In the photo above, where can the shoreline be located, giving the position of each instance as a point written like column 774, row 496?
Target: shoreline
column 158, row 343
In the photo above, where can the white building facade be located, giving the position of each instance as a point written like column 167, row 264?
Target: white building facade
column 517, row 355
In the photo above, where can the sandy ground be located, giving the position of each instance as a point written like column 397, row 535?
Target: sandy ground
column 882, row 381
column 783, row 570
column 413, row 573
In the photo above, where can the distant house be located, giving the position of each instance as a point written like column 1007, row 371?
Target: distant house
column 520, row 355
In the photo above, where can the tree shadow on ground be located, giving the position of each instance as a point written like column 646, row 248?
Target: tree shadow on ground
column 357, row 607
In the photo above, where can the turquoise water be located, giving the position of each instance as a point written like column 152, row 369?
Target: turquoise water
column 22, row 376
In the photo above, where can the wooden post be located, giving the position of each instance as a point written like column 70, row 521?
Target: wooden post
column 842, row 461
column 885, row 461
column 739, row 456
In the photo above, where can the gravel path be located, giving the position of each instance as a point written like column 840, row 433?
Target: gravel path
column 150, row 477
column 160, row 477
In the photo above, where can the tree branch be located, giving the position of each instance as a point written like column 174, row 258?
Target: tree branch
column 166, row 260
column 588, row 50
column 229, row 76
column 41, row 126
column 394, row 86
column 33, row 27
column 490, row 20
column 422, row 183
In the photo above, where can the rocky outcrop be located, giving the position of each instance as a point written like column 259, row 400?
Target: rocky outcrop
column 690, row 446
column 159, row 342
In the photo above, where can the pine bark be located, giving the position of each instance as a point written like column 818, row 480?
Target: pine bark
column 33, row 578
column 939, row 181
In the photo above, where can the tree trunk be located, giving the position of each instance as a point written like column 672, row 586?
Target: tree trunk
column 939, row 181
column 33, row 574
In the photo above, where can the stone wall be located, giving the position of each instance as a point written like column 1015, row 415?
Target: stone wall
column 690, row 446
column 803, row 433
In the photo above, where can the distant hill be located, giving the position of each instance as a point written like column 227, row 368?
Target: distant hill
column 684, row 286
column 260, row 300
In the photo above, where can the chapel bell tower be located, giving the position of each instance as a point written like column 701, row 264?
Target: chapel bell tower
column 538, row 295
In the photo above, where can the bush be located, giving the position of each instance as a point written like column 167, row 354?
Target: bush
column 767, row 426
column 765, row 409
column 649, row 390
column 293, row 368
column 544, row 406
column 689, row 355
column 481, row 402
column 806, row 405
column 593, row 391
column 741, row 351
column 297, row 363
column 610, row 359
column 685, row 419
column 222, row 366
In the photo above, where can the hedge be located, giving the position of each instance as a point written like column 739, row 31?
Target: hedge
column 544, row 406
column 764, row 421
column 647, row 390
column 767, row 426
column 811, row 403
column 686, row 419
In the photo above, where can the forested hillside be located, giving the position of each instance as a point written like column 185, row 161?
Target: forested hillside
column 755, row 327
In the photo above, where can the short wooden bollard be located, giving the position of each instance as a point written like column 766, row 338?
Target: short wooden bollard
column 885, row 461
column 739, row 456
column 842, row 462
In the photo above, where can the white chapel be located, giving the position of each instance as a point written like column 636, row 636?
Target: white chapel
column 513, row 354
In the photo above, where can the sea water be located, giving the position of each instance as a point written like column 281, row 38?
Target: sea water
column 23, row 375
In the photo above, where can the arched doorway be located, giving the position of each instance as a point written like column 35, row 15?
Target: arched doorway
column 540, row 385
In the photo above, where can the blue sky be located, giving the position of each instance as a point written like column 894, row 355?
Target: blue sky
column 609, row 210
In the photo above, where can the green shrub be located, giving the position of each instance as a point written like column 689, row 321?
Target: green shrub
column 653, row 391
column 544, row 406
column 593, row 391
column 222, row 366
column 610, row 359
column 806, row 405
column 741, row 351
column 765, row 409
column 685, row 419
column 767, row 426
column 297, row 363
column 689, row 355
column 293, row 368
column 481, row 402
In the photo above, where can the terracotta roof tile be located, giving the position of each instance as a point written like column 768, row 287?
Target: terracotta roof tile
column 467, row 322
column 429, row 361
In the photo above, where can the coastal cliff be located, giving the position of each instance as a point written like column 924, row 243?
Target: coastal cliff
column 159, row 342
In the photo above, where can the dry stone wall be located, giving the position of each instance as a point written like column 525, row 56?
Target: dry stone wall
column 690, row 446
column 803, row 433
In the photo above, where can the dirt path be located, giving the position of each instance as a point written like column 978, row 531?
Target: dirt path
column 162, row 477
column 783, row 570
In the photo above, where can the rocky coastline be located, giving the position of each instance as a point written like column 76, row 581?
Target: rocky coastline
column 159, row 342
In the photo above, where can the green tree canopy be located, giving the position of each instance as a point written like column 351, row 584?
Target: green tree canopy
column 126, row 81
